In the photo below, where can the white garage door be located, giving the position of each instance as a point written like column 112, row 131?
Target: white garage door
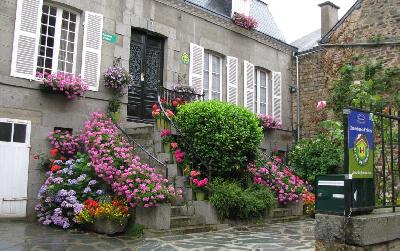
column 14, row 162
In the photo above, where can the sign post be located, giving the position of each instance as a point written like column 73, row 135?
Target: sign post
column 359, row 160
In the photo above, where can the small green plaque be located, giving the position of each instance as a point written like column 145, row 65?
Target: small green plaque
column 185, row 58
column 111, row 38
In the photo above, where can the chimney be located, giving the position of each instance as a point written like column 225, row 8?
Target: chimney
column 329, row 16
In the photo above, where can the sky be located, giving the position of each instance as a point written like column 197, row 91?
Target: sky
column 296, row 18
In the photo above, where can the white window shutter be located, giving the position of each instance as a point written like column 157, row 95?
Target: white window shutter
column 26, row 38
column 249, row 85
column 232, row 80
column 196, row 67
column 277, row 95
column 91, row 53
column 241, row 6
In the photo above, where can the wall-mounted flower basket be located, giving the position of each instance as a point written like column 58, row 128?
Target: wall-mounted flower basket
column 268, row 122
column 116, row 77
column 65, row 84
column 244, row 21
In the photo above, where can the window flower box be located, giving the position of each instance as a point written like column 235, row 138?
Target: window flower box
column 244, row 21
column 65, row 84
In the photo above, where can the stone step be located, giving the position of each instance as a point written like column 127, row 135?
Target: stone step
column 185, row 210
column 281, row 212
column 182, row 221
column 151, row 233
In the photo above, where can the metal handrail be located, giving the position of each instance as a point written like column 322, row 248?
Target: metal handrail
column 183, row 137
column 135, row 143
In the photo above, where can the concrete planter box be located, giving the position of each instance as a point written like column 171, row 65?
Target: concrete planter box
column 206, row 212
column 296, row 207
column 155, row 218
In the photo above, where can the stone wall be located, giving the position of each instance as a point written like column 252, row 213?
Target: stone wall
column 372, row 21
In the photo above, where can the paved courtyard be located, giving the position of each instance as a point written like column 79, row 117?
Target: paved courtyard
column 298, row 235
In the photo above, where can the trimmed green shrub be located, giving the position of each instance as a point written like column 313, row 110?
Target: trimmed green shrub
column 223, row 135
column 318, row 156
column 233, row 202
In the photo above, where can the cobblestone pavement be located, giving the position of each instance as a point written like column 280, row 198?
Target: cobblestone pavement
column 298, row 235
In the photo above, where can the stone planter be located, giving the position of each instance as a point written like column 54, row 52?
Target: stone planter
column 206, row 212
column 154, row 217
column 296, row 207
column 106, row 226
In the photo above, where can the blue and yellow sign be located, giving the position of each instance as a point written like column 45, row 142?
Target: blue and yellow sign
column 361, row 144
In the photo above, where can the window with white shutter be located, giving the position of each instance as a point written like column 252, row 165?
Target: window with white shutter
column 58, row 40
column 26, row 38
column 91, row 52
column 232, row 79
column 212, row 76
column 249, row 85
column 261, row 92
column 277, row 95
column 196, row 68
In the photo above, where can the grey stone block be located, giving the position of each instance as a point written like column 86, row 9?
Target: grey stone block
column 296, row 208
column 155, row 218
column 206, row 212
column 172, row 170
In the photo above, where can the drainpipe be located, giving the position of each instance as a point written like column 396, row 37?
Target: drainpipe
column 298, row 97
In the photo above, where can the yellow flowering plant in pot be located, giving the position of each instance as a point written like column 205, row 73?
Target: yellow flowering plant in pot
column 107, row 217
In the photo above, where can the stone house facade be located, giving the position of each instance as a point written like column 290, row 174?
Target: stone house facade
column 370, row 28
column 227, row 62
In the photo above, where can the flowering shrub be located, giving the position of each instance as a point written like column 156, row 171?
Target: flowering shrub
column 287, row 186
column 143, row 186
column 269, row 122
column 113, row 160
column 67, row 185
column 68, row 84
column 115, row 210
column 309, row 203
column 64, row 142
column 244, row 21
column 117, row 78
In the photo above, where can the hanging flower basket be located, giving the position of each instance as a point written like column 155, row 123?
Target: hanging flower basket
column 63, row 83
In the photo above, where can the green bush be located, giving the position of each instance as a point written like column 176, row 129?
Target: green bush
column 233, row 202
column 223, row 135
column 318, row 156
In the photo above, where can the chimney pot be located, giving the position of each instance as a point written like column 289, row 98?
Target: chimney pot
column 329, row 16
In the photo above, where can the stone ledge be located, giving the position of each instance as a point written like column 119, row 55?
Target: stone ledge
column 364, row 230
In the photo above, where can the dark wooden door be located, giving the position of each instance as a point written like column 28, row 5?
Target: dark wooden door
column 145, row 65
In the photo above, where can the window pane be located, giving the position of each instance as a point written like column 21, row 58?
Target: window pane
column 19, row 133
column 206, row 61
column 65, row 14
column 5, row 131
column 215, row 95
column 205, row 94
column 50, row 42
column 50, row 31
column 68, row 68
column 205, row 80
column 52, row 21
column 215, row 64
column 71, row 37
column 44, row 19
column 72, row 17
column 263, row 79
column 45, row 9
column 71, row 26
column 263, row 108
column 64, row 24
column 216, row 82
column 53, row 11
column 263, row 94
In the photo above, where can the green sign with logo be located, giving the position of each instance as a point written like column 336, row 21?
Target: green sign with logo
column 185, row 58
column 111, row 38
column 361, row 144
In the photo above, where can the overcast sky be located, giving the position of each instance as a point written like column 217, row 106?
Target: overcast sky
column 296, row 18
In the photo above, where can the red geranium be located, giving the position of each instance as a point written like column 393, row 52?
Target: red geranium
column 55, row 168
column 53, row 152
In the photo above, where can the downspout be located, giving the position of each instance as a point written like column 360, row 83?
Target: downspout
column 298, row 97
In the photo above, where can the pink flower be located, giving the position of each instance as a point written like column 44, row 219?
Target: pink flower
column 165, row 132
column 321, row 105
column 174, row 145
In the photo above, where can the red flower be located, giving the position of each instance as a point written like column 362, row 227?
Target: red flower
column 55, row 168
column 175, row 103
column 163, row 100
column 62, row 158
column 169, row 113
column 53, row 152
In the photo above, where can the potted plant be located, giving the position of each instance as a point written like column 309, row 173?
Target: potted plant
column 198, row 185
column 269, row 122
column 63, row 83
column 244, row 21
column 167, row 139
column 105, row 217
